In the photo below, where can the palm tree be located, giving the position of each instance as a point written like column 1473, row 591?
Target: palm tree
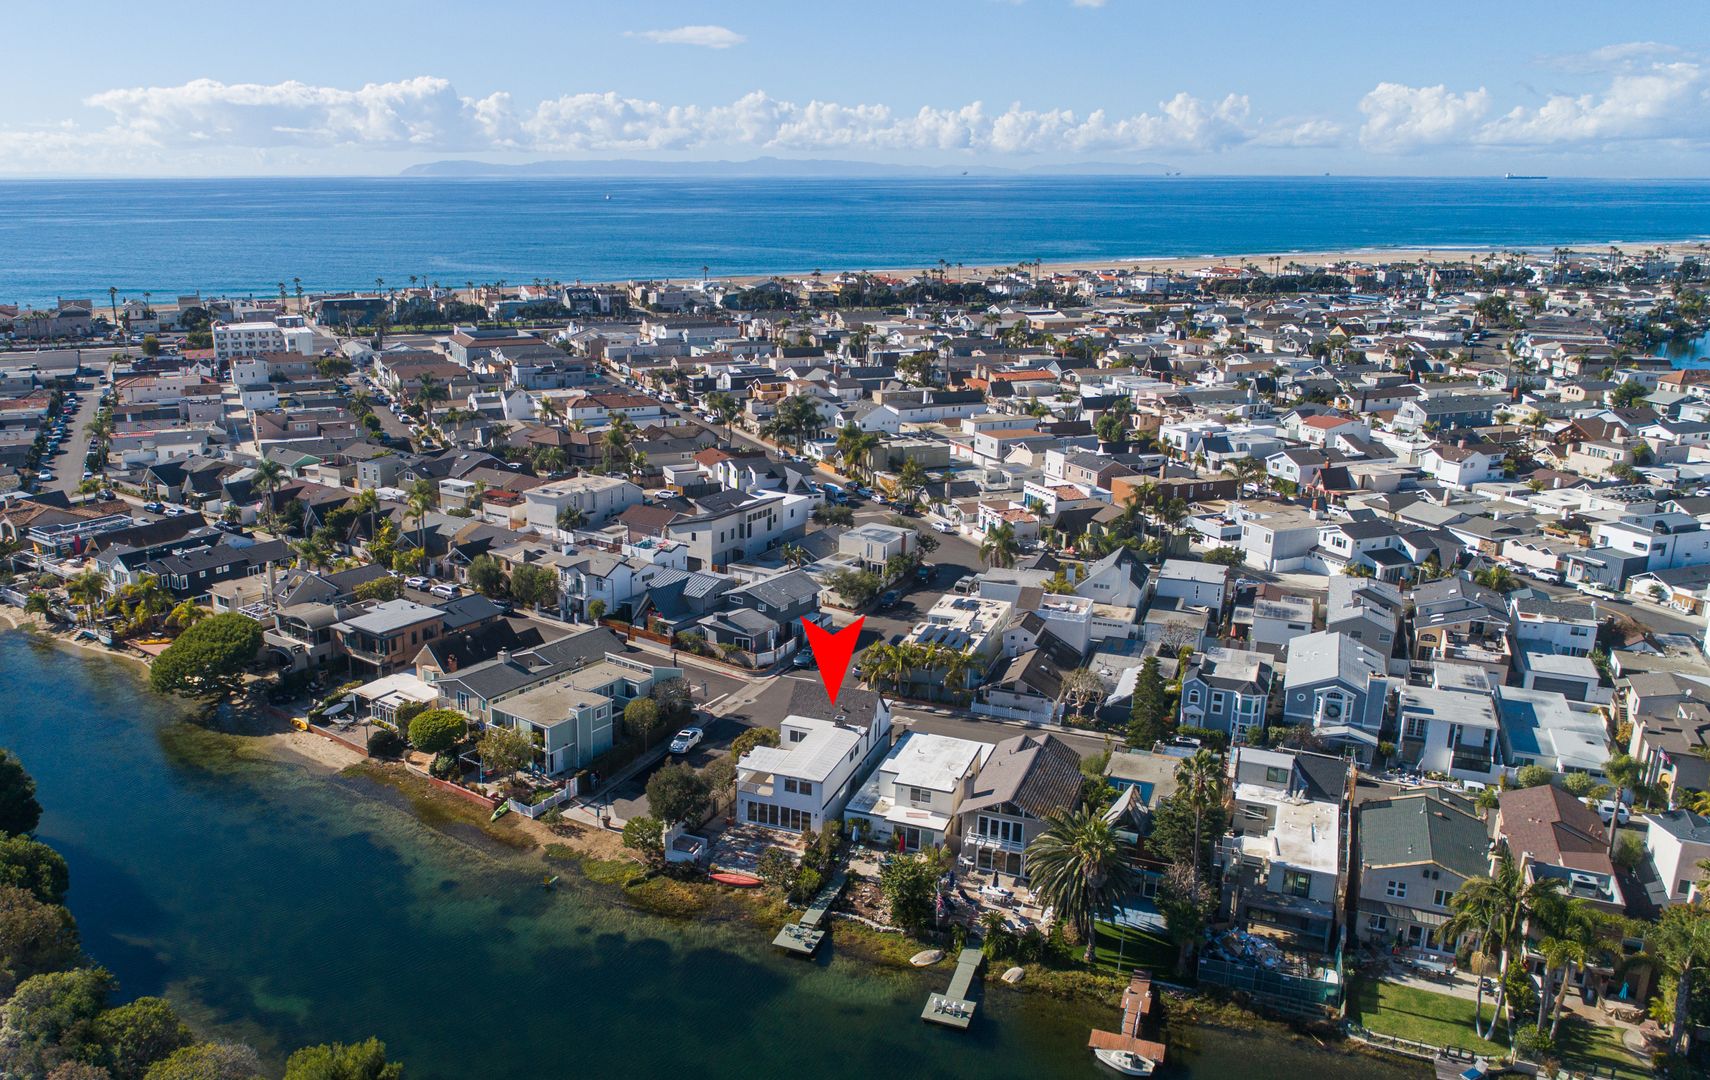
column 958, row 664
column 615, row 445
column 912, row 478
column 1000, row 547
column 571, row 518
column 1200, row 778
column 795, row 556
column 313, row 551
column 726, row 408
column 1079, row 866
column 421, row 500
column 88, row 589
column 428, row 391
column 1496, row 909
column 1624, row 773
column 186, row 614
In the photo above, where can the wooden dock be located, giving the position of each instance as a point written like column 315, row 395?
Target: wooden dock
column 1453, row 1066
column 955, row 1007
column 803, row 936
column 1138, row 1002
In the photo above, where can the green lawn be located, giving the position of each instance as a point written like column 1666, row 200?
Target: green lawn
column 1582, row 1044
column 1445, row 1020
column 1437, row 1019
column 1123, row 948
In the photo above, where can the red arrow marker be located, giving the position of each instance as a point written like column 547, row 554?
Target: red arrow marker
column 831, row 652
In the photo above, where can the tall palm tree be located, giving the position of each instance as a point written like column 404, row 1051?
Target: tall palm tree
column 1497, row 909
column 726, row 408
column 421, row 500
column 1624, row 773
column 795, row 556
column 1080, row 866
column 1200, row 778
column 1000, row 547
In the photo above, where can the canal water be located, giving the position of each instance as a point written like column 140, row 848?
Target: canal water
column 277, row 905
column 1692, row 352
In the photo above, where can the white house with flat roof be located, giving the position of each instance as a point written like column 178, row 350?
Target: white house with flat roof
column 914, row 794
column 808, row 778
column 1450, row 730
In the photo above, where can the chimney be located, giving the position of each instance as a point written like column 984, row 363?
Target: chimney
column 504, row 656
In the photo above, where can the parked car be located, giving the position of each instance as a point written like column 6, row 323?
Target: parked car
column 176, row 511
column 889, row 599
column 943, row 527
column 1551, row 576
column 803, row 658
column 446, row 592
column 416, row 582
column 1609, row 808
column 153, row 507
column 687, row 739
column 1592, row 589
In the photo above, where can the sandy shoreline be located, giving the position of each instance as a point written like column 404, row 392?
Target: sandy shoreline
column 1440, row 255
column 325, row 756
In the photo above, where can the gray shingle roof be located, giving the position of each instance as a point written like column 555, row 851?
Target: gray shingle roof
column 1422, row 828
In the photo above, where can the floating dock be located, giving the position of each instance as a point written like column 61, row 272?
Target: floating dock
column 955, row 1007
column 803, row 937
column 1137, row 1017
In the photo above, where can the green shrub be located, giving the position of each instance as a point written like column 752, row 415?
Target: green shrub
column 385, row 743
column 445, row 766
column 436, row 730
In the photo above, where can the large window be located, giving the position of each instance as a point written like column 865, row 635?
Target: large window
column 1296, row 883
column 779, row 817
column 1007, row 832
column 1397, row 889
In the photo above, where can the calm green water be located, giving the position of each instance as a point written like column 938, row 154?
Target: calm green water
column 278, row 906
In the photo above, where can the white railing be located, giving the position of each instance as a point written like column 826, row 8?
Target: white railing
column 535, row 810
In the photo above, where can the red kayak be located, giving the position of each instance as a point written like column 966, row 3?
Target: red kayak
column 741, row 881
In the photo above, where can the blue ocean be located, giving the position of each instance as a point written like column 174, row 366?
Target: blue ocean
column 244, row 236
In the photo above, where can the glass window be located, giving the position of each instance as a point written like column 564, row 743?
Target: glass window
column 1397, row 889
column 1275, row 774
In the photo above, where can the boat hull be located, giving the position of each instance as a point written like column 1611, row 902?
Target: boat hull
column 1125, row 1062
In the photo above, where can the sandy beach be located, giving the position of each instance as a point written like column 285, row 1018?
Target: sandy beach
column 1440, row 256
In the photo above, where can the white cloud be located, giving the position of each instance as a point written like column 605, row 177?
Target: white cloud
column 1660, row 101
column 1619, row 57
column 1089, row 3
column 427, row 114
column 705, row 37
column 1667, row 101
column 1409, row 117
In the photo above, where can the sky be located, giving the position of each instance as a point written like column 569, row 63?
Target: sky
column 370, row 87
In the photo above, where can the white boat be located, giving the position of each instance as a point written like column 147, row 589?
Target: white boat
column 1126, row 1062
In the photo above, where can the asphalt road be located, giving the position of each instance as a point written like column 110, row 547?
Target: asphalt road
column 67, row 465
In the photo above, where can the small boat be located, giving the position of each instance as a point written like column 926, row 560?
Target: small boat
column 741, row 881
column 1013, row 975
column 547, row 883
column 504, row 808
column 926, row 957
column 1126, row 1062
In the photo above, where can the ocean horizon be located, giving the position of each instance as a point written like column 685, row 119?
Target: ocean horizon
column 244, row 236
